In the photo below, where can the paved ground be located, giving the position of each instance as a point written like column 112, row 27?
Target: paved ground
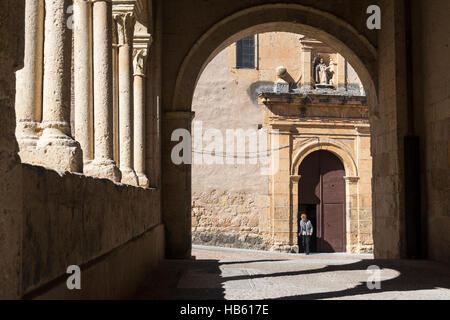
column 220, row 273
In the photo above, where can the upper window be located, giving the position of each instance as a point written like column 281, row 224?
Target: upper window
column 245, row 53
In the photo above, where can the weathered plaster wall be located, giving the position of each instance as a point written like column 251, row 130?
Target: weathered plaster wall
column 112, row 231
column 229, row 202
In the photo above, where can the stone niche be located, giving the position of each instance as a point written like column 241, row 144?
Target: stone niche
column 324, row 70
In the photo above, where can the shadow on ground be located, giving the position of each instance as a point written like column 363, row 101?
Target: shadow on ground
column 203, row 279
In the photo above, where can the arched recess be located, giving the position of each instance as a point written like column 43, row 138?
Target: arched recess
column 294, row 18
column 282, row 17
column 343, row 153
column 335, row 147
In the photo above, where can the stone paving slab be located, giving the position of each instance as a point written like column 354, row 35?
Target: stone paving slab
column 236, row 274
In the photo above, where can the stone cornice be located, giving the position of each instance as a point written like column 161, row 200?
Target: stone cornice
column 142, row 41
column 137, row 7
column 313, row 44
column 299, row 99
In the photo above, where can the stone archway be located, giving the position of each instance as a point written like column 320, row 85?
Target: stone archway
column 351, row 183
column 321, row 195
column 293, row 18
column 334, row 146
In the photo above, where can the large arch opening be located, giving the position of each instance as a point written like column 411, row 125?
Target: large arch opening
column 235, row 201
column 296, row 19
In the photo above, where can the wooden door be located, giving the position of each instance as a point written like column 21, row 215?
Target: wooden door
column 322, row 184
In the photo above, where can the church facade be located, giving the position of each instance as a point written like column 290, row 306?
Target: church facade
column 305, row 148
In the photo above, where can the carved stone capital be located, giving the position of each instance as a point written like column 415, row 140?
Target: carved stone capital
column 139, row 62
column 125, row 22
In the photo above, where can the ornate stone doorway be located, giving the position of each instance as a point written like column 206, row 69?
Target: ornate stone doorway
column 321, row 195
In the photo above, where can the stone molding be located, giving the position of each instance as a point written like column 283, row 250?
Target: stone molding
column 351, row 179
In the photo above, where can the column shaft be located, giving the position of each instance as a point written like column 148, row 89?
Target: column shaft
column 57, row 149
column 103, row 165
column 57, row 59
column 139, row 117
column 125, row 26
column 83, row 77
column 29, row 79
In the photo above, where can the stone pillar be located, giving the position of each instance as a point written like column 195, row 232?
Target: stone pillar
column 125, row 29
column 352, row 214
column 115, row 55
column 29, row 79
column 140, row 56
column 83, row 77
column 295, row 179
column 282, row 218
column 56, row 148
column 176, row 201
column 341, row 76
column 103, row 165
column 308, row 80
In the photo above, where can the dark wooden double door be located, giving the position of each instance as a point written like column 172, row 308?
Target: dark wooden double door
column 322, row 196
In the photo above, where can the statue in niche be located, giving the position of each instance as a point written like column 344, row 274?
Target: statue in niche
column 321, row 72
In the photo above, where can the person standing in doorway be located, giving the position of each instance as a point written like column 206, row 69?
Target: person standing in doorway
column 306, row 231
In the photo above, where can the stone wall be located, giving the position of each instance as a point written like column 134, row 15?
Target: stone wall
column 230, row 219
column 50, row 220
column 431, row 54
column 11, row 59
column 388, row 121
column 112, row 231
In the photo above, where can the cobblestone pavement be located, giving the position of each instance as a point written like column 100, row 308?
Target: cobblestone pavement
column 222, row 273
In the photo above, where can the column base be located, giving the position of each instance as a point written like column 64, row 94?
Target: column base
column 143, row 180
column 57, row 151
column 104, row 169
column 129, row 177
column 26, row 134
